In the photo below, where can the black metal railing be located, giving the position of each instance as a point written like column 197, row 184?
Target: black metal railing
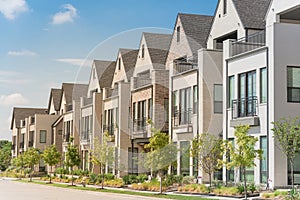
column 109, row 128
column 139, row 125
column 182, row 117
column 244, row 107
column 30, row 143
column 85, row 136
column 181, row 67
column 249, row 43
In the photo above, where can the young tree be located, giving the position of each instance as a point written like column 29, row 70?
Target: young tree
column 243, row 153
column 31, row 158
column 72, row 158
column 102, row 154
column 19, row 162
column 287, row 135
column 206, row 149
column 51, row 157
column 161, row 155
column 5, row 154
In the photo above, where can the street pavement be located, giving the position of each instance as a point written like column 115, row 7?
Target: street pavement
column 12, row 190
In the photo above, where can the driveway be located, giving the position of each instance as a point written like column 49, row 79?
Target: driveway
column 12, row 190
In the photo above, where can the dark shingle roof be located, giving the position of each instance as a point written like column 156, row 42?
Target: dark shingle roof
column 74, row 91
column 129, row 57
column 158, row 46
column 22, row 113
column 55, row 94
column 252, row 12
column 106, row 76
column 196, row 28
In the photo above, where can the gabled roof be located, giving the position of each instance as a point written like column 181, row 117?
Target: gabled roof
column 22, row 113
column 106, row 77
column 73, row 91
column 196, row 28
column 55, row 94
column 158, row 46
column 129, row 57
column 252, row 12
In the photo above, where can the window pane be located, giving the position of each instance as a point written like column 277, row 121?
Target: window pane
column 43, row 135
column 218, row 98
column 184, row 157
column 231, row 90
column 263, row 85
column 293, row 82
column 195, row 99
column 263, row 162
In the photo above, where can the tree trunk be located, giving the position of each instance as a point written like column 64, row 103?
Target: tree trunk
column 30, row 174
column 292, row 171
column 160, row 183
column 102, row 172
column 210, row 174
column 72, row 176
column 245, row 182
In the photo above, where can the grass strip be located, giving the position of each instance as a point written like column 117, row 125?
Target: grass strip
column 169, row 196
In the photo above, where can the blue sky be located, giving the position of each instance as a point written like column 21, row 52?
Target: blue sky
column 44, row 43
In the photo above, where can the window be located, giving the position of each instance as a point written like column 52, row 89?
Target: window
column 94, row 73
column 32, row 120
column 117, row 117
column 263, row 85
column 185, row 107
column 195, row 99
column 218, row 98
column 293, row 84
column 143, row 51
column 263, row 162
column 175, row 101
column 184, row 158
column 133, row 160
column 150, row 109
column 178, row 33
column 231, row 90
column 230, row 172
column 224, row 7
column 134, row 111
column 166, row 109
column 119, row 64
column 43, row 136
column 60, row 132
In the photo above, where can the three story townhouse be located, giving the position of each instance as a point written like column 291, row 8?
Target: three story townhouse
column 149, row 92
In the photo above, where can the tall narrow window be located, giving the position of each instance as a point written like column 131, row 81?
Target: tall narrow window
column 218, row 98
column 150, row 109
column 195, row 99
column 134, row 111
column 166, row 109
column 231, row 90
column 293, row 84
column 119, row 63
column 143, row 51
column 178, row 33
column 230, row 172
column 263, row 85
column 43, row 136
column 185, row 106
column 224, row 7
column 94, row 73
column 263, row 162
column 184, row 157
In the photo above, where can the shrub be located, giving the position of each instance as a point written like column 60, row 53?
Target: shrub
column 226, row 191
column 172, row 179
column 93, row 178
column 130, row 179
column 108, row 177
column 251, row 187
column 194, row 188
column 142, row 178
column 114, row 183
column 61, row 170
column 188, row 180
column 241, row 188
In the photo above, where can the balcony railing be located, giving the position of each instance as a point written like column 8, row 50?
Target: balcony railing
column 109, row 128
column 182, row 117
column 87, row 101
column 69, row 107
column 67, row 137
column 30, row 143
column 139, row 125
column 249, row 43
column 244, row 107
column 143, row 82
column 85, row 136
column 112, row 93
column 182, row 66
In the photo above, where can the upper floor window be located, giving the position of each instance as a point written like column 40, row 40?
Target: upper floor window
column 178, row 33
column 119, row 64
column 195, row 99
column 143, row 51
column 263, row 85
column 224, row 7
column 293, row 84
column 94, row 73
column 218, row 98
column 43, row 136
column 231, row 90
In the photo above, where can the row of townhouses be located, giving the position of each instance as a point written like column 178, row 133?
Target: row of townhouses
column 240, row 66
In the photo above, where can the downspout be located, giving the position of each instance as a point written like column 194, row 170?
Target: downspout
column 268, row 111
column 226, row 114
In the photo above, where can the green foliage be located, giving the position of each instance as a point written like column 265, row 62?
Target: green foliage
column 241, row 155
column 194, row 188
column 5, row 154
column 72, row 158
column 206, row 149
column 61, row 170
column 173, row 179
column 31, row 157
column 80, row 172
column 287, row 135
column 188, row 180
column 51, row 157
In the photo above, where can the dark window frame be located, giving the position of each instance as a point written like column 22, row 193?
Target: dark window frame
column 43, row 141
column 290, row 89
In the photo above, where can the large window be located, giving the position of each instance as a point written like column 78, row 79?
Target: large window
column 263, row 162
column 43, row 136
column 150, row 109
column 185, row 107
column 133, row 160
column 293, row 84
column 166, row 109
column 263, row 85
column 178, row 33
column 218, row 98
column 195, row 99
column 185, row 157
column 231, row 90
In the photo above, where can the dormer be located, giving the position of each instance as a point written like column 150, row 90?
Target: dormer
column 152, row 53
column 235, row 19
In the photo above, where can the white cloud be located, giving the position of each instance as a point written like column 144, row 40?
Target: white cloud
column 22, row 53
column 67, row 14
column 15, row 99
column 12, row 8
column 76, row 62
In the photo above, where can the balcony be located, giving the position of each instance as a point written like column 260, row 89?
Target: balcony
column 182, row 117
column 249, row 43
column 141, row 82
column 67, row 137
column 183, row 66
column 245, row 111
column 112, row 93
column 87, row 101
column 140, row 128
column 110, row 130
column 85, row 137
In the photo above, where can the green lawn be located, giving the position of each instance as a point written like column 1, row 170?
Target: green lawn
column 119, row 191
